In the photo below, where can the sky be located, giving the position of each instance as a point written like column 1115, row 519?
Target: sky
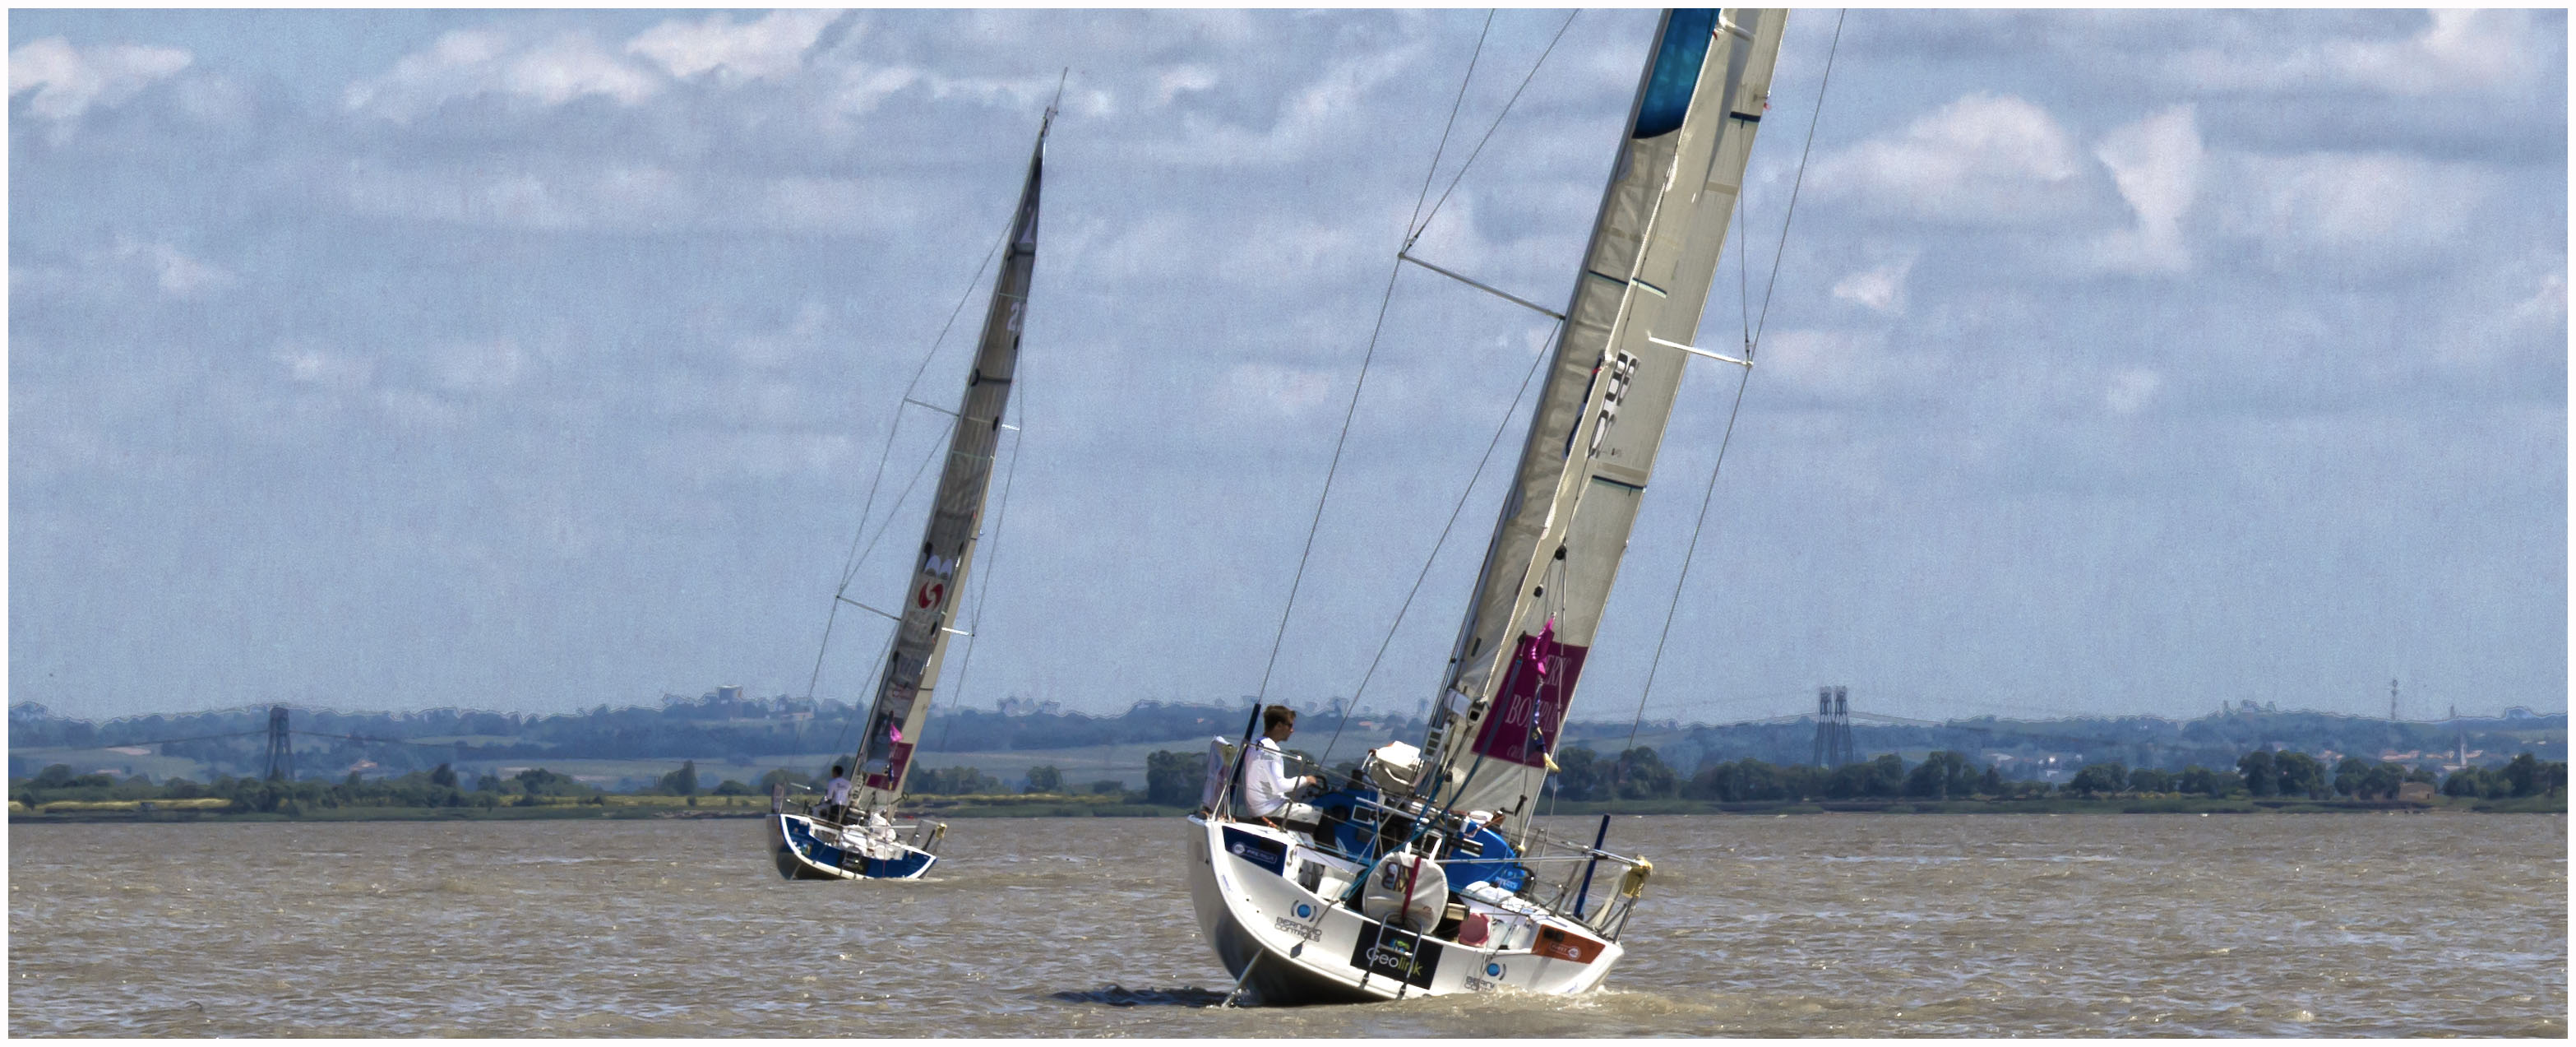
column 2119, row 362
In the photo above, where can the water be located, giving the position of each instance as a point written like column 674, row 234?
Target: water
column 1833, row 925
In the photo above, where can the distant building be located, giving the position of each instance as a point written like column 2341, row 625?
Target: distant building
column 2415, row 791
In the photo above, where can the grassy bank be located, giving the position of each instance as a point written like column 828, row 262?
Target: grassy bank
column 2556, row 804
column 1021, row 805
column 607, row 806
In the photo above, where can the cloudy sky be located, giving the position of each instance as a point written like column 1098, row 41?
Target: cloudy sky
column 2119, row 362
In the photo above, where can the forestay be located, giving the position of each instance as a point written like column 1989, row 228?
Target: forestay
column 911, row 674
column 1592, row 442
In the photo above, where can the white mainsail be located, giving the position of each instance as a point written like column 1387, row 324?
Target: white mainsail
column 1610, row 387
column 903, row 695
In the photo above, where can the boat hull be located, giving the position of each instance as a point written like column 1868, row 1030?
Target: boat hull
column 1287, row 946
column 803, row 853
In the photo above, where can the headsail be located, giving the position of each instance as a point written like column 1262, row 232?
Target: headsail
column 1610, row 388
column 911, row 673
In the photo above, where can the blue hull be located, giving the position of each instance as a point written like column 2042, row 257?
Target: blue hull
column 800, row 855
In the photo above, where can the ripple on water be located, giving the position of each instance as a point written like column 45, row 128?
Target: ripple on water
column 1850, row 925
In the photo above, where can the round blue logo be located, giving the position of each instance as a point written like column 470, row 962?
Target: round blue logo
column 1493, row 970
column 1304, row 910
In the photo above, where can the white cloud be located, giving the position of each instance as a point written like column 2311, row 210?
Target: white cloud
column 1274, row 390
column 2473, row 51
column 469, row 63
column 68, row 80
column 1330, row 107
column 2354, row 208
column 771, row 48
column 2156, row 163
column 309, row 365
column 1880, row 289
column 1984, row 158
column 771, row 350
column 1180, row 80
column 172, row 270
column 1837, row 365
column 2131, row 390
column 480, row 366
column 127, row 267
column 2548, row 304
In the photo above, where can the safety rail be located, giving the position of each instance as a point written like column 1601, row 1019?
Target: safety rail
column 1597, row 888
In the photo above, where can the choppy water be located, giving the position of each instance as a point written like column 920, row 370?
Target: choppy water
column 1843, row 925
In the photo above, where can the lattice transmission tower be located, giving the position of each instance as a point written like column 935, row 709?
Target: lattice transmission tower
column 281, row 752
column 1833, row 727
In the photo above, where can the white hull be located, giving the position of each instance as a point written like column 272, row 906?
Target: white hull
column 1302, row 948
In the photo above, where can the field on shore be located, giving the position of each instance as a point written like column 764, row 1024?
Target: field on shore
column 1034, row 805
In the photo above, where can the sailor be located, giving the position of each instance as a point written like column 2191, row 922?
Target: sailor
column 1268, row 790
column 836, row 796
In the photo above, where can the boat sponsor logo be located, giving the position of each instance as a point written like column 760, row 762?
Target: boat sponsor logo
column 1397, row 954
column 1556, row 943
column 1304, row 910
column 1622, row 371
column 1494, row 970
column 1268, row 854
column 930, row 595
column 1309, row 933
column 1522, row 725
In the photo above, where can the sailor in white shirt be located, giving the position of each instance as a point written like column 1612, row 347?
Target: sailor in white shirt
column 836, row 796
column 1267, row 786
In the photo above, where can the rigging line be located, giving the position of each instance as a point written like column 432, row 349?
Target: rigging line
column 1799, row 183
column 850, row 567
column 387, row 741
column 1743, row 379
column 835, row 614
column 1376, row 328
column 1411, row 231
column 875, row 669
column 1454, row 103
column 1509, row 413
column 975, row 623
column 1316, row 524
column 1416, row 233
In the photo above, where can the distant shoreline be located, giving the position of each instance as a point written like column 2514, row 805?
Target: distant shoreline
column 1057, row 807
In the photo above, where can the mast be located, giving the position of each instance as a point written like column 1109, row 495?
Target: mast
column 1592, row 441
column 911, row 672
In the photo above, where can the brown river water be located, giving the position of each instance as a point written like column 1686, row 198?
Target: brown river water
column 1817, row 925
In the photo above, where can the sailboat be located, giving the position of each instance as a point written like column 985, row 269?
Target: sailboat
column 861, row 840
column 1424, row 875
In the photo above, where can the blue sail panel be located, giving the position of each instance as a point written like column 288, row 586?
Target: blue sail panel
column 1677, row 60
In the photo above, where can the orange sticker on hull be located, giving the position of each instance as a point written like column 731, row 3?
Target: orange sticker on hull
column 1557, row 944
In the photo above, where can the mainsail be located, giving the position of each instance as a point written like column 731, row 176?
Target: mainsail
column 1610, row 387
column 903, row 694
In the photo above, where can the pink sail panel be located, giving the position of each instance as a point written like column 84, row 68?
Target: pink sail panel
column 1522, row 726
column 893, row 772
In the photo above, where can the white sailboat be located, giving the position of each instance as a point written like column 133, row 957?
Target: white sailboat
column 1395, row 891
column 862, row 840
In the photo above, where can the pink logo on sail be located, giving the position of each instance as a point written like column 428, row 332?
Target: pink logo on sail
column 1523, row 723
column 894, row 731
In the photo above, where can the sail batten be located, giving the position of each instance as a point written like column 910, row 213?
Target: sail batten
column 1592, row 443
column 910, row 676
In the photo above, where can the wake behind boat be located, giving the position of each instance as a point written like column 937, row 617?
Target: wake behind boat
column 855, row 837
column 1425, row 875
